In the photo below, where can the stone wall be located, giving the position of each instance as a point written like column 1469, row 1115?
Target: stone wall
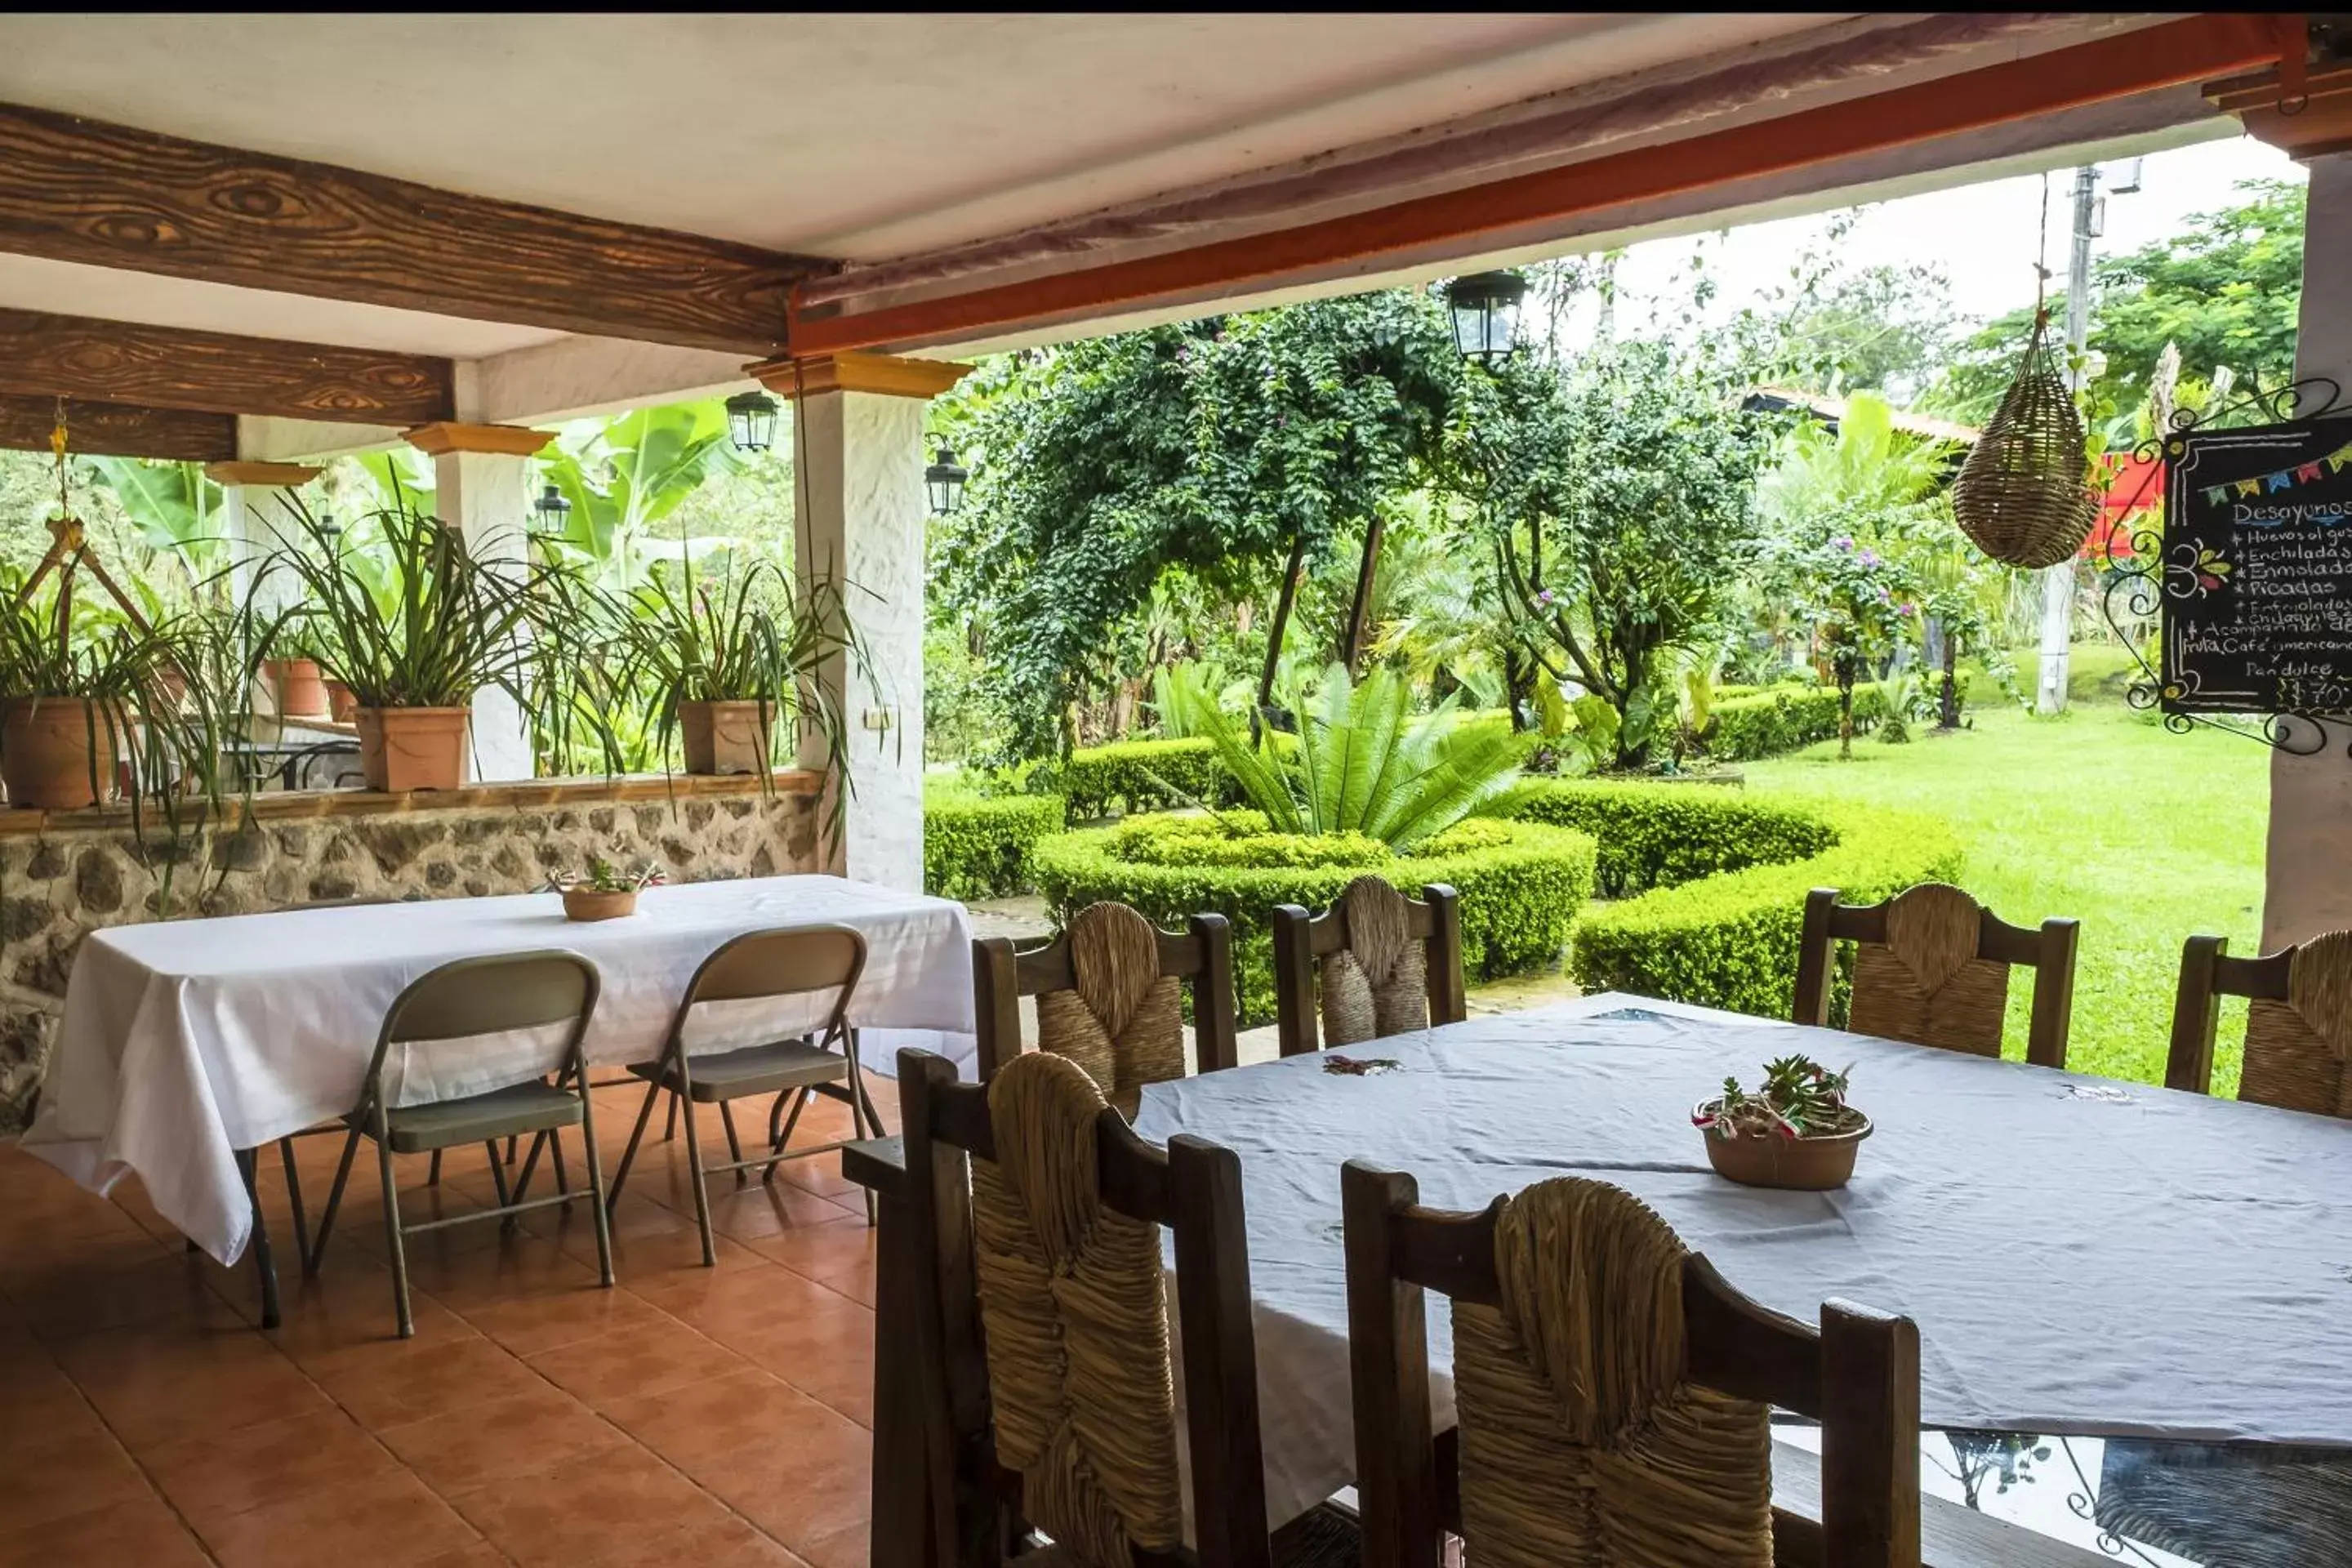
column 65, row 874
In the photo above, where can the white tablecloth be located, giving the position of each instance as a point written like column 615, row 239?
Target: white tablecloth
column 187, row 1040
column 2082, row 1257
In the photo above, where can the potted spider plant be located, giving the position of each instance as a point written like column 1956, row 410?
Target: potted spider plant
column 1795, row 1131
column 727, row 658
column 65, row 700
column 414, row 629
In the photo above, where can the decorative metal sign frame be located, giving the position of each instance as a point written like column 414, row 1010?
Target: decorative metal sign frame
column 2142, row 588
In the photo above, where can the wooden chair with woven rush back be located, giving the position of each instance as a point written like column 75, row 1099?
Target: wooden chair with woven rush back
column 761, row 966
column 1109, row 994
column 1386, row 964
column 456, row 1003
column 1047, row 1374
column 1612, row 1394
column 1931, row 967
column 2299, row 1022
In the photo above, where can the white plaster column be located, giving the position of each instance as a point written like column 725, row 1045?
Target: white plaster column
column 482, row 488
column 2308, row 886
column 257, row 519
column 858, row 442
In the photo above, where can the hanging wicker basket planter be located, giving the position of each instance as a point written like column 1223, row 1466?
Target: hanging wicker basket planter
column 2021, row 495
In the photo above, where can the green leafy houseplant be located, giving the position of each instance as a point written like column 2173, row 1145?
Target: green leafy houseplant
column 604, row 892
column 720, row 661
column 67, row 689
column 443, row 626
column 1798, row 1097
column 1795, row 1131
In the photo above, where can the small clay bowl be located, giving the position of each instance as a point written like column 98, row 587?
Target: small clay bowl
column 1796, row 1165
column 587, row 904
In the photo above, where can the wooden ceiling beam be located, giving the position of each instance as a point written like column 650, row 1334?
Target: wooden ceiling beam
column 2168, row 54
column 109, row 196
column 119, row 430
column 42, row 355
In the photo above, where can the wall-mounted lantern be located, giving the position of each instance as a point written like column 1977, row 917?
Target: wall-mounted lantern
column 1486, row 309
column 944, row 479
column 550, row 514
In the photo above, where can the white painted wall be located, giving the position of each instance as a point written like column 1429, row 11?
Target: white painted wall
column 485, row 496
column 861, row 520
column 2308, row 887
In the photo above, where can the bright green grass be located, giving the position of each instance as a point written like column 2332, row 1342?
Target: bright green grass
column 2143, row 836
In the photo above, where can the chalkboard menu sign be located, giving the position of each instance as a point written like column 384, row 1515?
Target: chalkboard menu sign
column 2257, row 570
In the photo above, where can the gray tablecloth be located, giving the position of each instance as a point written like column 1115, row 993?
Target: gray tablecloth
column 2081, row 1257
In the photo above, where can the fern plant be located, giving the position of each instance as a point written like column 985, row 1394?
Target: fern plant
column 1362, row 763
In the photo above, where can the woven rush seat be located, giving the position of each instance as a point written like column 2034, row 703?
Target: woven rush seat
column 2298, row 1052
column 754, row 1069
column 503, row 1113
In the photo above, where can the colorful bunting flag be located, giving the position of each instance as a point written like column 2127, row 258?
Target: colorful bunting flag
column 2250, row 487
column 2215, row 495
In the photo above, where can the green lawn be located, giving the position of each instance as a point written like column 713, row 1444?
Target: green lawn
column 2143, row 836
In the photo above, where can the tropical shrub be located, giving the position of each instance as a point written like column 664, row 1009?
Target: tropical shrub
column 977, row 847
column 1521, row 883
column 1729, row 939
column 1364, row 763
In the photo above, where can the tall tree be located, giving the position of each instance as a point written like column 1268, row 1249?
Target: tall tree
column 2226, row 289
column 1215, row 446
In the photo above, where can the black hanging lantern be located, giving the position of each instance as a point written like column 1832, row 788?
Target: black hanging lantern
column 944, row 479
column 550, row 514
column 1486, row 308
column 752, row 421
column 329, row 529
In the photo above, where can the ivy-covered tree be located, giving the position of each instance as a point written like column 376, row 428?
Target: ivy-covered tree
column 1217, row 447
column 1619, row 493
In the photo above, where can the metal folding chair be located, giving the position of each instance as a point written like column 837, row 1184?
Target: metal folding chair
column 459, row 1001
column 790, row 960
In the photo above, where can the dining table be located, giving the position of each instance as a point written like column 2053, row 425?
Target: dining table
column 2132, row 1302
column 187, row 1045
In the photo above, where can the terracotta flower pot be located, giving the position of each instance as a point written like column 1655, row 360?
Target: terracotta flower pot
column 725, row 736
column 1797, row 1164
column 300, row 693
column 587, row 904
column 341, row 703
column 412, row 748
column 52, row 748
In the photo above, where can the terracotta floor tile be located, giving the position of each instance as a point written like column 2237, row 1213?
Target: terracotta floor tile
column 523, row 1263
column 42, row 1405
column 483, row 1444
column 197, row 1385
column 390, row 1522
column 112, row 1284
column 736, row 1296
column 823, row 1252
column 528, row 1325
column 213, row 1476
column 629, row 1503
column 412, row 1380
column 707, row 1427
column 349, row 1305
column 724, row 1543
column 758, row 1210
column 804, row 1481
column 634, row 1364
column 845, row 1548
column 650, row 1264
column 137, row 1533
column 481, row 1554
column 73, row 1474
column 827, row 1355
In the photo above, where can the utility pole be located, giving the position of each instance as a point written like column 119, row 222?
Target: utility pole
column 2058, row 582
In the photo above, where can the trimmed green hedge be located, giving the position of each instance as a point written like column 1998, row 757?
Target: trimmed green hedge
column 1130, row 775
column 977, row 846
column 1519, row 896
column 1783, row 718
column 1729, row 939
column 1659, row 835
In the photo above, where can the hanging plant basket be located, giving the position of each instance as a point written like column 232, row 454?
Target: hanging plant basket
column 2021, row 495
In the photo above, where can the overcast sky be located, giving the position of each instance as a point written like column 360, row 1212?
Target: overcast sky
column 1984, row 236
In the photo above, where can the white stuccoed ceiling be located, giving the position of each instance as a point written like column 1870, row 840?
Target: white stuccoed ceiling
column 857, row 136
